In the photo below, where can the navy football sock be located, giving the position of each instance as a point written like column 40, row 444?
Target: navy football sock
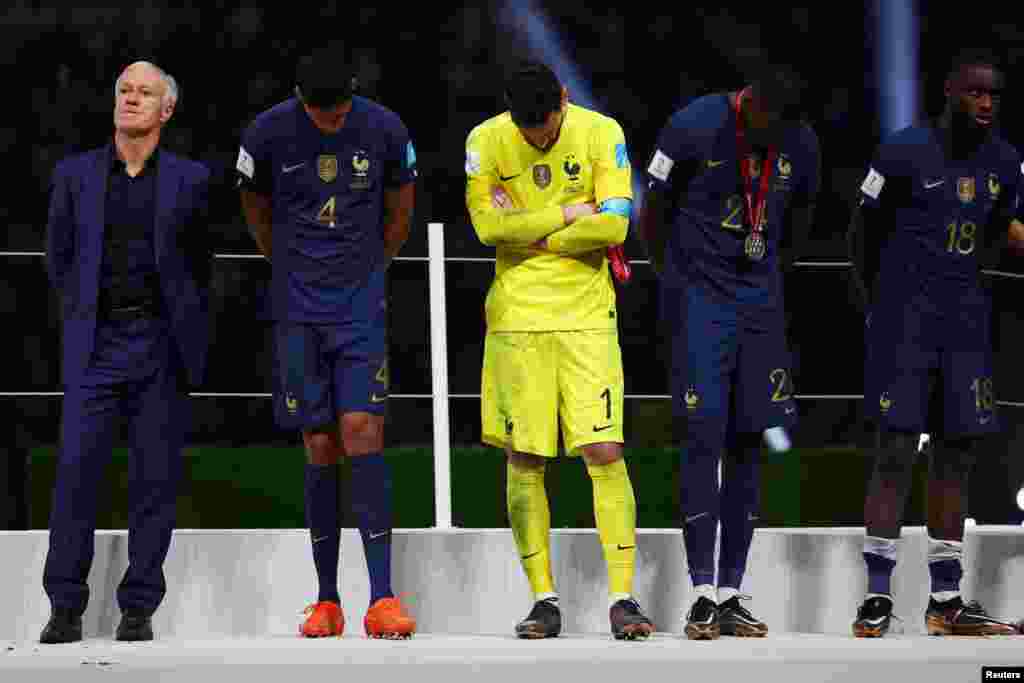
column 739, row 507
column 880, row 559
column 944, row 565
column 948, row 477
column 371, row 503
column 700, row 505
column 324, row 521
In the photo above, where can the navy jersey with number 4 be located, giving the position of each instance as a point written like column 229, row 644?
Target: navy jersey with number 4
column 697, row 159
column 940, row 214
column 327, row 194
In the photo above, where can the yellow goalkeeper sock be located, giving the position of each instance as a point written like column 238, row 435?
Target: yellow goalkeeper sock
column 530, row 517
column 615, row 513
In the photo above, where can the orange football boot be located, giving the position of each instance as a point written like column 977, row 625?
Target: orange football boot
column 387, row 619
column 324, row 619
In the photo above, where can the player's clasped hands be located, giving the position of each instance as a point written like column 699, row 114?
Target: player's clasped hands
column 572, row 212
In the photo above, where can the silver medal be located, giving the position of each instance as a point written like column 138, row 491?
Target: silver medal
column 754, row 246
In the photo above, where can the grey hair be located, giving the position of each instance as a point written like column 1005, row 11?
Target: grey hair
column 168, row 79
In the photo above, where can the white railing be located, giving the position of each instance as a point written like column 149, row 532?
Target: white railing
column 436, row 260
column 439, row 378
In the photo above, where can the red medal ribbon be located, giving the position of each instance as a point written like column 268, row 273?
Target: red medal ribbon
column 755, row 209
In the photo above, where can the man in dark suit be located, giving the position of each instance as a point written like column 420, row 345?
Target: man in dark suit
column 126, row 252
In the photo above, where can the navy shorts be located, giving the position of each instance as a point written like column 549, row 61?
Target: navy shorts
column 324, row 370
column 726, row 369
column 926, row 374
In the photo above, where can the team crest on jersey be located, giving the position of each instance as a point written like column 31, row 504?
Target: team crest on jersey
column 993, row 185
column 572, row 168
column 965, row 190
column 360, row 171
column 542, row 175
column 292, row 404
column 692, row 399
column 327, row 167
column 885, row 403
column 785, row 167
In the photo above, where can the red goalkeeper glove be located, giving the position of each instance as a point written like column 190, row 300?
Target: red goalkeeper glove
column 619, row 264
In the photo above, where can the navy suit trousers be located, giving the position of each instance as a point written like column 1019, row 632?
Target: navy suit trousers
column 136, row 375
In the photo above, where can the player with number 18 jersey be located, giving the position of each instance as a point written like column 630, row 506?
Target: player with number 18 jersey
column 930, row 309
column 939, row 202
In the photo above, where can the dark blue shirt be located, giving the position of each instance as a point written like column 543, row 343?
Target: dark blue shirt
column 940, row 213
column 327, row 194
column 697, row 161
column 128, row 275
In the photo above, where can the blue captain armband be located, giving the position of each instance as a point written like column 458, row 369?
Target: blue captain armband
column 618, row 205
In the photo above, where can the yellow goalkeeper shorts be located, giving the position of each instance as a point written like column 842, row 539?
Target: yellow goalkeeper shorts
column 535, row 382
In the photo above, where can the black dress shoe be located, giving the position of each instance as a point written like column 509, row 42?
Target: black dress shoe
column 135, row 626
column 64, row 626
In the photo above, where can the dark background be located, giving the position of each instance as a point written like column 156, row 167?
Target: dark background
column 439, row 66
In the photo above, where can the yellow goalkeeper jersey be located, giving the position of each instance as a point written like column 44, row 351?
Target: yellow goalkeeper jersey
column 568, row 286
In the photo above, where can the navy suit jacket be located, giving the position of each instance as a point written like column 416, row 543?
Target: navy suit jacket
column 74, row 251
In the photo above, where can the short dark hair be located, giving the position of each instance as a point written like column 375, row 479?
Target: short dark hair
column 974, row 56
column 781, row 89
column 326, row 77
column 532, row 92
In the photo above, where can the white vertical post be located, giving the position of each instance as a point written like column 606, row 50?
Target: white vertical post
column 439, row 376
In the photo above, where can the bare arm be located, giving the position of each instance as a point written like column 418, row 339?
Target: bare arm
column 259, row 217
column 398, row 205
column 1016, row 235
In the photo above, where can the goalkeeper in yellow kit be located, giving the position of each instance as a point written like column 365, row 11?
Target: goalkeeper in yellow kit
column 549, row 187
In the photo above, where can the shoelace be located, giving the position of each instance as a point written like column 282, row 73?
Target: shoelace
column 891, row 614
column 689, row 615
column 535, row 611
column 974, row 608
column 550, row 602
column 740, row 608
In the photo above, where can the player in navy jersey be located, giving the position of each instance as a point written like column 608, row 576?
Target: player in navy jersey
column 327, row 183
column 939, row 202
column 732, row 187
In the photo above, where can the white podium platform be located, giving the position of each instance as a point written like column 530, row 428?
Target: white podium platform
column 235, row 599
